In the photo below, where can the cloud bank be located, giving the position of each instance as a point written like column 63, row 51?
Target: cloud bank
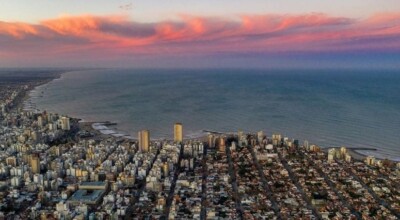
column 110, row 37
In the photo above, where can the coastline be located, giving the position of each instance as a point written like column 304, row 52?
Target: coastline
column 103, row 130
column 27, row 105
column 357, row 155
column 353, row 153
column 25, row 97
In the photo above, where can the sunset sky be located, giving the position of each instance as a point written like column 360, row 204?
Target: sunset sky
column 189, row 33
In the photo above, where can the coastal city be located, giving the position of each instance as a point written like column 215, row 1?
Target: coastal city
column 55, row 167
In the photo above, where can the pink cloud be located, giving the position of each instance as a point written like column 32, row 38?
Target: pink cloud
column 113, row 35
column 16, row 29
column 74, row 25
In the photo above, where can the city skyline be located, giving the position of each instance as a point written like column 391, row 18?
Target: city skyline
column 55, row 165
column 205, row 110
column 173, row 34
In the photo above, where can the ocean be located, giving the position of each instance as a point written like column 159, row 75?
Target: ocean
column 353, row 108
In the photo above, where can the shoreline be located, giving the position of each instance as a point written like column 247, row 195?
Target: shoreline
column 26, row 97
column 357, row 155
column 90, row 126
column 353, row 153
column 101, row 128
column 98, row 127
column 27, row 94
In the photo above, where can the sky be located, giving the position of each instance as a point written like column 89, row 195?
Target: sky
column 193, row 33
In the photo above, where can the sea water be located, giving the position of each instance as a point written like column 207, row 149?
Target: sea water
column 354, row 108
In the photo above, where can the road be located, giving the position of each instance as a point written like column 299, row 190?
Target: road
column 334, row 189
column 270, row 195
column 203, row 213
column 173, row 184
column 376, row 197
column 299, row 187
column 232, row 173
column 130, row 210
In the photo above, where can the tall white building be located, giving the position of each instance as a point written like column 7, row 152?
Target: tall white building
column 40, row 121
column 306, row 144
column 3, row 108
column 331, row 155
column 260, row 136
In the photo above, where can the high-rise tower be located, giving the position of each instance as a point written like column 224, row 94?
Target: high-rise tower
column 35, row 163
column 65, row 125
column 144, row 140
column 178, row 132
